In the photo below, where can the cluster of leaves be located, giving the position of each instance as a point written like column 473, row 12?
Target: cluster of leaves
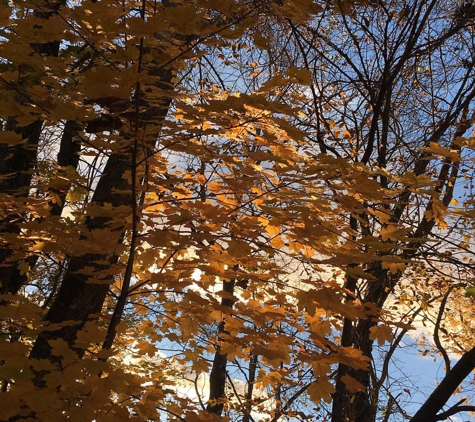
column 260, row 188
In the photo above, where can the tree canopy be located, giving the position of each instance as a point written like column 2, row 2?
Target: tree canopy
column 235, row 210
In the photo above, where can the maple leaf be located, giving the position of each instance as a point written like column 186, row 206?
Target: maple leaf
column 322, row 389
column 352, row 384
column 189, row 326
column 393, row 266
column 382, row 333
column 239, row 248
column 62, row 350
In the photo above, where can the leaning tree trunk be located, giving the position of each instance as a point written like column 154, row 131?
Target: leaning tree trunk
column 88, row 276
column 82, row 292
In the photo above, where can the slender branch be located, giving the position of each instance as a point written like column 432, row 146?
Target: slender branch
column 121, row 302
column 453, row 410
column 437, row 329
column 443, row 392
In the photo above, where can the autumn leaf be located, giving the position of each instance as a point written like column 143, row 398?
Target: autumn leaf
column 62, row 350
column 393, row 267
column 189, row 326
column 239, row 248
column 302, row 76
column 382, row 333
column 352, row 384
column 320, row 390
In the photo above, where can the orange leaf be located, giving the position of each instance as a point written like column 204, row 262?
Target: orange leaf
column 239, row 248
column 352, row 385
column 321, row 390
column 382, row 333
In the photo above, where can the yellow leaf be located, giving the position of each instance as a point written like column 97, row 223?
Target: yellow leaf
column 189, row 327
column 10, row 137
column 90, row 333
column 200, row 365
column 353, row 357
column 273, row 230
column 295, row 246
column 239, row 248
column 145, row 348
column 274, row 354
column 352, row 385
column 5, row 12
column 412, row 180
column 277, row 242
column 436, row 149
column 302, row 76
column 382, row 333
column 321, row 368
column 260, row 41
column 23, row 267
column 38, row 246
column 321, row 390
column 437, row 212
column 393, row 232
column 61, row 349
column 232, row 350
column 393, row 267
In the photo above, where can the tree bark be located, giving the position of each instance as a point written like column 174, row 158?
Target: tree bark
column 217, row 378
column 80, row 294
column 16, row 171
column 17, row 164
column 68, row 156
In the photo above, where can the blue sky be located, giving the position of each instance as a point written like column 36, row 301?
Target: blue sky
column 419, row 375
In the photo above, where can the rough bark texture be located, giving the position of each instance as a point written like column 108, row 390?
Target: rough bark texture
column 16, row 170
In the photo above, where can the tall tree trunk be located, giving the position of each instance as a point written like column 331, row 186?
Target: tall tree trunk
column 17, row 165
column 250, row 387
column 217, row 378
column 68, row 156
column 357, row 407
column 81, row 292
column 16, row 170
column 11, row 278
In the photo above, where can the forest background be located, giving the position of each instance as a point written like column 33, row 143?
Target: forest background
column 273, row 193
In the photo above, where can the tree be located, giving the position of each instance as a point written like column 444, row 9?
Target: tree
column 264, row 189
column 401, row 116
